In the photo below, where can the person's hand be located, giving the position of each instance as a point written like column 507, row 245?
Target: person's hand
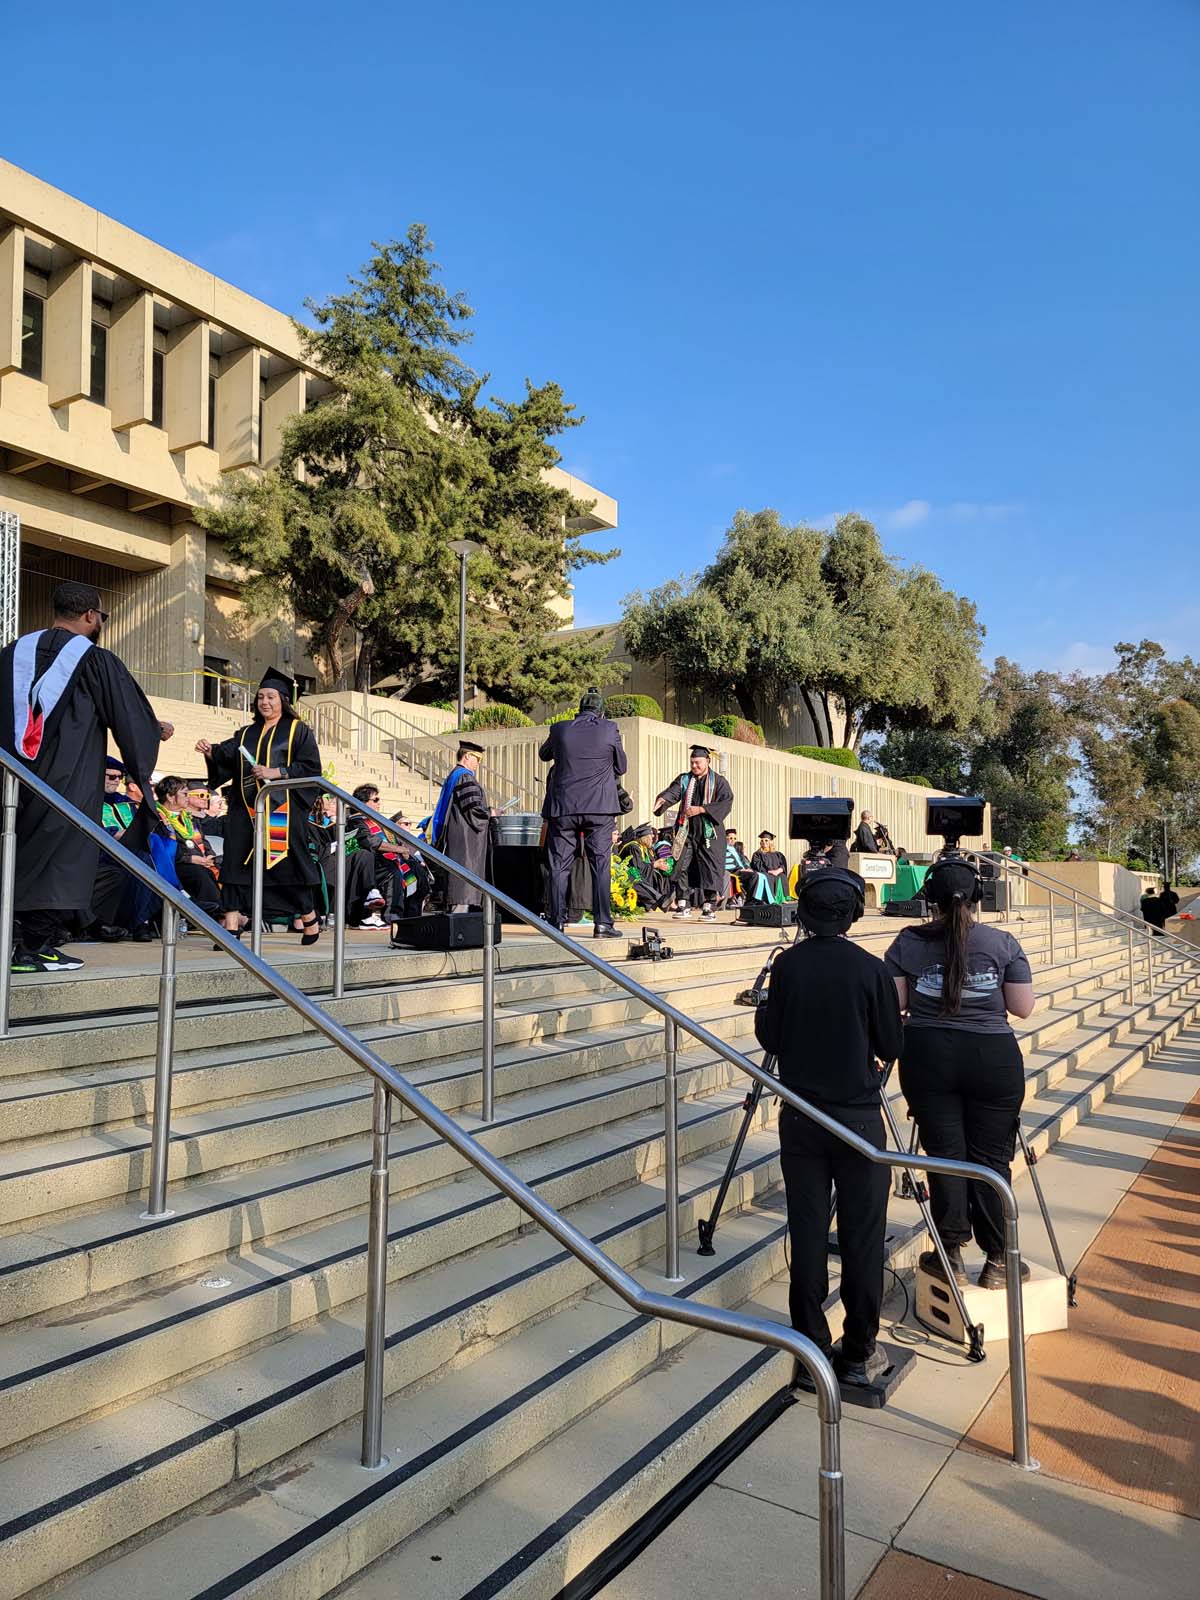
column 492, row 812
column 693, row 811
column 265, row 774
column 203, row 747
column 165, row 730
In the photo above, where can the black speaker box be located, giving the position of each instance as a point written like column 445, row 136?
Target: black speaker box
column 758, row 914
column 995, row 895
column 905, row 908
column 443, row 930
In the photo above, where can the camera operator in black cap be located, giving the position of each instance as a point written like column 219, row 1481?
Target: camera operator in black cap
column 831, row 1015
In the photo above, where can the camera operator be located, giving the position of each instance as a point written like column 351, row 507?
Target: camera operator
column 961, row 1069
column 825, row 853
column 830, row 1012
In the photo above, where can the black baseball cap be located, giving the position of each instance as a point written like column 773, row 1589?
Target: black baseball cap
column 948, row 879
column 830, row 900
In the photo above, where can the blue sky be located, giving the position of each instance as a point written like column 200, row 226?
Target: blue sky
column 935, row 261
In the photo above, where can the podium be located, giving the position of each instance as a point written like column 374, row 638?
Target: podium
column 876, row 871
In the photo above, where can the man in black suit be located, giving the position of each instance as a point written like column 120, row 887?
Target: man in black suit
column 864, row 834
column 581, row 802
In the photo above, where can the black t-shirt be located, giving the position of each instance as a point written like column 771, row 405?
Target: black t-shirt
column 831, row 1011
column 994, row 958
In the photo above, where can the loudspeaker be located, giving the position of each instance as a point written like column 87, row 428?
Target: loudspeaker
column 995, row 895
column 905, row 908
column 758, row 914
column 443, row 930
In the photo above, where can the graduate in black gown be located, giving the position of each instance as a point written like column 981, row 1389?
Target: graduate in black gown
column 770, row 869
column 461, row 826
column 275, row 745
column 61, row 696
column 704, row 800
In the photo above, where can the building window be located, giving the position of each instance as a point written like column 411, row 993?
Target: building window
column 33, row 313
column 99, row 381
column 157, row 382
column 213, row 368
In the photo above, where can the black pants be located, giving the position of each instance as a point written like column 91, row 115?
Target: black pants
column 561, row 834
column 696, row 871
column 199, row 885
column 813, row 1162
column 965, row 1090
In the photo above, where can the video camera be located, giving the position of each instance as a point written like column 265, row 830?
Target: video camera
column 821, row 819
column 651, row 948
column 954, row 817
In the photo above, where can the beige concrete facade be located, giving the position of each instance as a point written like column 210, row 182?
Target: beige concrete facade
column 131, row 382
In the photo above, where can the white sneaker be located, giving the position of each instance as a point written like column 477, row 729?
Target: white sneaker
column 374, row 899
column 684, row 912
column 373, row 921
column 709, row 913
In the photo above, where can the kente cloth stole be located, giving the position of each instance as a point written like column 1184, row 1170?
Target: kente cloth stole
column 279, row 809
column 708, row 826
column 34, row 699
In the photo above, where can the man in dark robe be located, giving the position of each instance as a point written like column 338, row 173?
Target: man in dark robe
column 864, row 834
column 769, row 867
column 704, row 800
column 651, row 885
column 277, row 744
column 461, row 826
column 61, row 696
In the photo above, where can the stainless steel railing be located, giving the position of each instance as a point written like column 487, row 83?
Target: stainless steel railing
column 386, row 1083
column 675, row 1020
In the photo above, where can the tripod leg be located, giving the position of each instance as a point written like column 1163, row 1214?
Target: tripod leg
column 708, row 1226
column 974, row 1330
column 1031, row 1163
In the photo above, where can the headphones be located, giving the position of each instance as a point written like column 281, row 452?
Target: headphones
column 810, row 880
column 935, row 891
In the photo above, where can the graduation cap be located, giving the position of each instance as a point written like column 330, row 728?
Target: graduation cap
column 766, row 834
column 116, row 766
column 731, row 833
column 644, row 828
column 475, row 749
column 279, row 681
column 701, row 750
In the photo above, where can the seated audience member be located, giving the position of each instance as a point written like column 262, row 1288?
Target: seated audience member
column 412, row 881
column 210, row 822
column 195, row 864
column 769, row 867
column 121, row 905
column 363, row 900
column 651, row 884
column 737, row 869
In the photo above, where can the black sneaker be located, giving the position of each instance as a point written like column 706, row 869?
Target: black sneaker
column 801, row 1378
column 860, row 1374
column 58, row 960
column 995, row 1273
column 23, row 960
column 932, row 1263
column 606, row 931
column 143, row 934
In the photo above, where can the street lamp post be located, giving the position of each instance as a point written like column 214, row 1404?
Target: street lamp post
column 463, row 548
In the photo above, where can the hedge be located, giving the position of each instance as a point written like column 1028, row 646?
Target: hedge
column 633, row 705
column 839, row 758
column 698, row 727
column 731, row 727
column 496, row 716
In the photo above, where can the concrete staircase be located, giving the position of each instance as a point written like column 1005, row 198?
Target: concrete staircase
column 181, row 1395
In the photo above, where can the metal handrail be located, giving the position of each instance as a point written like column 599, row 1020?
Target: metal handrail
column 1022, row 869
column 673, row 1021
column 449, row 746
column 388, row 1082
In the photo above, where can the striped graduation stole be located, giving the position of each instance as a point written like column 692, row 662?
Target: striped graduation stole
column 278, row 818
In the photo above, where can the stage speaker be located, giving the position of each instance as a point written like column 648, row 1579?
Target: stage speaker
column 443, row 930
column 905, row 908
column 759, row 914
column 996, row 895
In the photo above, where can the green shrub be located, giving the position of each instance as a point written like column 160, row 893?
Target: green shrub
column 443, row 705
column 839, row 758
column 698, row 727
column 558, row 716
column 924, row 782
column 633, row 705
column 731, row 727
column 496, row 716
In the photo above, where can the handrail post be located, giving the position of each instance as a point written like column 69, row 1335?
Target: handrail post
column 1075, row 918
column 375, row 1329
column 1132, row 991
column 164, row 1064
column 8, row 884
column 831, row 1510
column 1149, row 962
column 671, row 1149
column 256, row 875
column 488, row 1063
column 1017, row 1376
column 339, row 908
column 1050, row 909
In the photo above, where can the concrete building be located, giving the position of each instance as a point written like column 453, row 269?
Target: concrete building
column 131, row 383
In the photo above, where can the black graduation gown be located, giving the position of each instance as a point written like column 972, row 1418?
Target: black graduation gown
column 702, row 860
column 297, row 872
column 864, row 839
column 466, row 838
column 56, row 865
column 761, row 863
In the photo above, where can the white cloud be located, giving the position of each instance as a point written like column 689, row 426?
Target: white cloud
column 1084, row 657
column 909, row 514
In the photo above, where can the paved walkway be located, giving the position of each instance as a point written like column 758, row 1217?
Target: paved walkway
column 927, row 1511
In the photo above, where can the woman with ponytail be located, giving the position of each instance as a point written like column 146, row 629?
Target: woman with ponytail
column 961, row 1069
